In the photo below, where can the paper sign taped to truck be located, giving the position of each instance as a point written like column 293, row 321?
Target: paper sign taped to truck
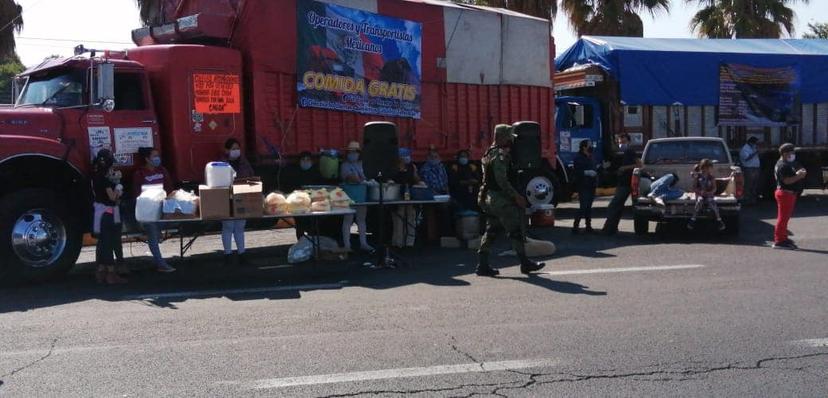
column 216, row 93
column 357, row 61
column 129, row 140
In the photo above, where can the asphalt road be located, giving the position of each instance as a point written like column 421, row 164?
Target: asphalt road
column 675, row 315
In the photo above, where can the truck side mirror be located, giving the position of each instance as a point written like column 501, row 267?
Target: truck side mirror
column 105, row 93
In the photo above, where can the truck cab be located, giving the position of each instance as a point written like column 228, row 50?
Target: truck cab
column 578, row 119
column 66, row 110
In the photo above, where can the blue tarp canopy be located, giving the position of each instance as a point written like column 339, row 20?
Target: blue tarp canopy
column 686, row 71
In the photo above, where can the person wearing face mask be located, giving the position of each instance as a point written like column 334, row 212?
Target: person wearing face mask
column 153, row 173
column 586, row 177
column 307, row 173
column 106, row 184
column 434, row 174
column 351, row 172
column 405, row 219
column 464, row 182
column 234, row 229
column 629, row 162
column 790, row 181
column 749, row 156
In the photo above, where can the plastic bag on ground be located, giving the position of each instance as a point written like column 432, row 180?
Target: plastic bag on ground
column 534, row 248
column 301, row 251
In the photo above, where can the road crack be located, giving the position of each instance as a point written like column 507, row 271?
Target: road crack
column 33, row 363
column 532, row 379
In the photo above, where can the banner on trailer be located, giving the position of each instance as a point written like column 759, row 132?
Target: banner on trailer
column 751, row 96
column 357, row 61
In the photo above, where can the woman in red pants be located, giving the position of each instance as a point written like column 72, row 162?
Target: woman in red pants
column 790, row 181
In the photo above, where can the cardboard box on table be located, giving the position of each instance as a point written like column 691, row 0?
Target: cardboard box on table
column 215, row 202
column 248, row 199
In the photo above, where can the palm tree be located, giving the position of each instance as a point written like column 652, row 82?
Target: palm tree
column 11, row 22
column 589, row 17
column 150, row 11
column 744, row 18
column 611, row 17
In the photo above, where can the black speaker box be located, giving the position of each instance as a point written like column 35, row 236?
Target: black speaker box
column 380, row 150
column 526, row 150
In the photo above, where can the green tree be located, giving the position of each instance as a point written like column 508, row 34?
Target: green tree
column 819, row 30
column 149, row 11
column 589, row 17
column 8, row 70
column 11, row 22
column 744, row 18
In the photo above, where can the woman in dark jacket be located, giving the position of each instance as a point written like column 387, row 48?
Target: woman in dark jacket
column 586, row 174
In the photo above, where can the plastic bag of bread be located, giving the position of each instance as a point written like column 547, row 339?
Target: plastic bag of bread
column 339, row 199
column 318, row 195
column 299, row 202
column 535, row 248
column 275, row 204
column 322, row 206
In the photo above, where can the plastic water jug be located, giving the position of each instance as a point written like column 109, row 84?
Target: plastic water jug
column 219, row 174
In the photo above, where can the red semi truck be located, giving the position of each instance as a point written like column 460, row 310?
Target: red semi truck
column 281, row 76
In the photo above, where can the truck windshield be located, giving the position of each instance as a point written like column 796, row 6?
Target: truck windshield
column 54, row 89
column 685, row 152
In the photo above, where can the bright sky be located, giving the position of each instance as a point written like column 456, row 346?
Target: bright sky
column 56, row 26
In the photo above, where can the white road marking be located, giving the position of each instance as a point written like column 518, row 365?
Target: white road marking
column 814, row 343
column 199, row 293
column 625, row 269
column 396, row 373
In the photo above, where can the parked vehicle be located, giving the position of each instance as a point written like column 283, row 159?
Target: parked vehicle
column 209, row 70
column 662, row 88
column 679, row 156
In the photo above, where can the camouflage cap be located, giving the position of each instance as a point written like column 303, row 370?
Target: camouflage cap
column 503, row 132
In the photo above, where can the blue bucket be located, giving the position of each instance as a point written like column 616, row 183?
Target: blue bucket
column 357, row 192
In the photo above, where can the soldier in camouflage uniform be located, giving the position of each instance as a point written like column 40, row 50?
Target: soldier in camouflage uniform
column 502, row 205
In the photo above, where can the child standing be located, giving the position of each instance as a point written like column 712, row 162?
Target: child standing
column 107, row 223
column 704, row 185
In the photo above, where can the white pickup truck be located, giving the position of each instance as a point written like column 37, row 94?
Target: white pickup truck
column 679, row 156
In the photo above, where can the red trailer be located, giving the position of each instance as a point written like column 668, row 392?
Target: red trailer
column 208, row 70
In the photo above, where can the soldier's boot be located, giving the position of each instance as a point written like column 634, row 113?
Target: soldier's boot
column 483, row 267
column 526, row 265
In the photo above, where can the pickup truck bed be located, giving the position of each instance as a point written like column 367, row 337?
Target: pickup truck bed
column 729, row 181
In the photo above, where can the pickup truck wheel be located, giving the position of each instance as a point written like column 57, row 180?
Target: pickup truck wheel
column 40, row 238
column 641, row 225
column 731, row 225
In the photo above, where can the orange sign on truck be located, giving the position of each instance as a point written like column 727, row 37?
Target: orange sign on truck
column 216, row 93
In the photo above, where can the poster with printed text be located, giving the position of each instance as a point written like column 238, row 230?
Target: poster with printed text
column 752, row 96
column 357, row 61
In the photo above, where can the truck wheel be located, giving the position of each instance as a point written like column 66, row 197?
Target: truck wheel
column 641, row 225
column 39, row 237
column 731, row 225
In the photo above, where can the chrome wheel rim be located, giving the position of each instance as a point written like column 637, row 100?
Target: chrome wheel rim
column 38, row 238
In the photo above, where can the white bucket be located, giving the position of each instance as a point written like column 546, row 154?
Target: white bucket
column 219, row 175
